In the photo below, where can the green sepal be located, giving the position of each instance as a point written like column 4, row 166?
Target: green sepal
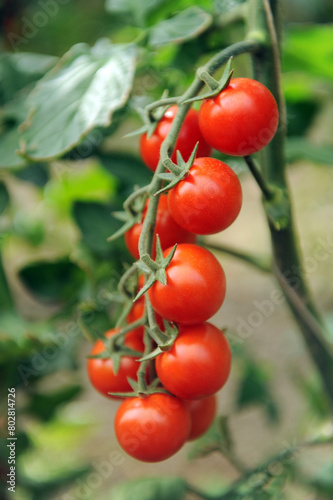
column 156, row 268
column 124, row 313
column 138, row 131
column 128, row 224
column 216, row 88
column 166, row 176
column 181, row 170
column 151, row 280
column 151, row 355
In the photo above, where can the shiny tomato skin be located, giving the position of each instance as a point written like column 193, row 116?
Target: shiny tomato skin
column 202, row 412
column 197, row 365
column 195, row 288
column 100, row 371
column 188, row 136
column 152, row 428
column 241, row 120
column 167, row 229
column 208, row 200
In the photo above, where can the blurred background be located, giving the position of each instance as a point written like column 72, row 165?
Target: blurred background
column 58, row 273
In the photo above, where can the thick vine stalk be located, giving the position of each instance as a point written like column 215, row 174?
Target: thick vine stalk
column 265, row 18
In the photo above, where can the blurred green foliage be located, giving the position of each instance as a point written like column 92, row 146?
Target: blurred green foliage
column 57, row 69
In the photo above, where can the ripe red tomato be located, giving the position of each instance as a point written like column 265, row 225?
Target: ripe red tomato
column 208, row 200
column 198, row 364
column 188, row 136
column 100, row 371
column 240, row 120
column 152, row 428
column 168, row 230
column 195, row 287
column 202, row 412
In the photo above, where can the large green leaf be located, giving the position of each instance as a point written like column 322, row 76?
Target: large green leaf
column 53, row 281
column 188, row 24
column 78, row 95
column 137, row 10
column 155, row 488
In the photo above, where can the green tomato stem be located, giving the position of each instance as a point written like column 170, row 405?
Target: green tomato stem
column 286, row 252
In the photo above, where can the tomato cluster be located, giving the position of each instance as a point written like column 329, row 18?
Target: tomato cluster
column 187, row 373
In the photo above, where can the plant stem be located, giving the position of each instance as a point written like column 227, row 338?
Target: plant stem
column 261, row 263
column 267, row 469
column 147, row 233
column 286, row 252
column 266, row 190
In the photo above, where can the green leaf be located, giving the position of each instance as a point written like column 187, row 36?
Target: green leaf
column 136, row 10
column 6, row 301
column 254, row 390
column 308, row 48
column 4, row 197
column 96, row 223
column 36, row 173
column 128, row 169
column 217, row 438
column 81, row 93
column 300, row 148
column 17, row 70
column 156, row 488
column 225, row 6
column 11, row 115
column 184, row 26
column 44, row 406
column 9, row 143
column 58, row 281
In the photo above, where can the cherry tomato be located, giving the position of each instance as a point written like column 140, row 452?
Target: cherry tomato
column 195, row 287
column 202, row 412
column 240, row 120
column 188, row 136
column 100, row 371
column 208, row 200
column 168, row 230
column 198, row 364
column 152, row 428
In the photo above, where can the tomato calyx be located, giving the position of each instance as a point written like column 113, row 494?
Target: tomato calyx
column 170, row 333
column 139, row 391
column 215, row 86
column 177, row 171
column 154, row 268
column 132, row 213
